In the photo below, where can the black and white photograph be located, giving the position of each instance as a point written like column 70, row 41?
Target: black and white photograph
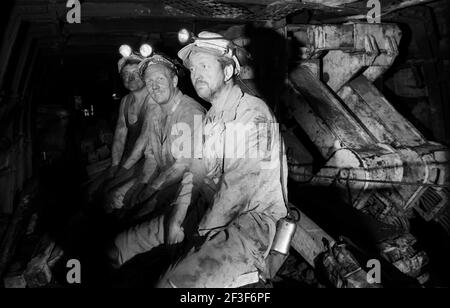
column 251, row 145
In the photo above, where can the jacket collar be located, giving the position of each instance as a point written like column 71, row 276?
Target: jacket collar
column 226, row 107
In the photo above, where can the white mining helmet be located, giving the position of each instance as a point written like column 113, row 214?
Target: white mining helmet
column 208, row 42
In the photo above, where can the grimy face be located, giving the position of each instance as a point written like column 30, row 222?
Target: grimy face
column 160, row 83
column 130, row 77
column 207, row 75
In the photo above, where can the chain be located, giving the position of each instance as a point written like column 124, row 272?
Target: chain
column 445, row 185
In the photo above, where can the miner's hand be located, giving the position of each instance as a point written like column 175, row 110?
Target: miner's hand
column 117, row 179
column 132, row 196
column 175, row 233
column 110, row 172
column 146, row 193
column 121, row 172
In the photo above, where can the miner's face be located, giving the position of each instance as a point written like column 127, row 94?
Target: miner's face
column 130, row 77
column 207, row 75
column 160, row 83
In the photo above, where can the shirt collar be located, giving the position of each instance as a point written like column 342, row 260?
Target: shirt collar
column 227, row 105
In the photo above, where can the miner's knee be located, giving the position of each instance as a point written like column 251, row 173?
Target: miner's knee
column 181, row 276
column 177, row 281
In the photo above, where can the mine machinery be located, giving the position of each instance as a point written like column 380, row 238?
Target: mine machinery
column 380, row 162
column 350, row 148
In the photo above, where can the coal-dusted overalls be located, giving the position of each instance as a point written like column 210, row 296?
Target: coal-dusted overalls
column 247, row 200
column 164, row 137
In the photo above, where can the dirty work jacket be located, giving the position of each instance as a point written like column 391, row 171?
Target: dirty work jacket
column 236, row 128
column 172, row 132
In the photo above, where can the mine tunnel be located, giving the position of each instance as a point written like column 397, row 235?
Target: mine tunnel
column 360, row 94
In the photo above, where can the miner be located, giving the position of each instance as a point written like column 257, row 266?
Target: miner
column 137, row 110
column 245, row 192
column 165, row 164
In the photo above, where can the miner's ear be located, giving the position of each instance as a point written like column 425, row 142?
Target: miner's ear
column 228, row 72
